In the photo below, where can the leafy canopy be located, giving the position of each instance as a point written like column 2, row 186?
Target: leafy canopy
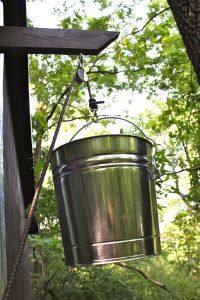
column 149, row 57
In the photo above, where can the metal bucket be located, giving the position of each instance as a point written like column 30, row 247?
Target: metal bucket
column 106, row 199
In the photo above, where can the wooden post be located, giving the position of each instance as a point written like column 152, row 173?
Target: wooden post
column 3, row 264
column 17, row 147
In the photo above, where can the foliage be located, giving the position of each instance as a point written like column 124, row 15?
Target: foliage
column 146, row 58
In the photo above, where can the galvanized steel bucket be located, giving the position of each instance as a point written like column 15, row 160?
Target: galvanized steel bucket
column 106, row 198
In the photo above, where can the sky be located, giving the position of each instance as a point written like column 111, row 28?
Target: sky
column 42, row 12
column 1, row 13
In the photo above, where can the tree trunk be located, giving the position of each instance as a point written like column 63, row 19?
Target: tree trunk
column 187, row 17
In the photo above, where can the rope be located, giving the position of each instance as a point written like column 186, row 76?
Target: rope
column 36, row 195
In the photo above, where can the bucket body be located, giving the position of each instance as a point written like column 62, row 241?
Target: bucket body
column 106, row 199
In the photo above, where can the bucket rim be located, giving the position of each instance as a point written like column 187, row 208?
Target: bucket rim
column 101, row 136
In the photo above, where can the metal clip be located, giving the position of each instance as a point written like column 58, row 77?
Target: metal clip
column 93, row 104
column 81, row 75
column 94, row 116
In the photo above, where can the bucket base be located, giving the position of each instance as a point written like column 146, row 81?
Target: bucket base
column 112, row 252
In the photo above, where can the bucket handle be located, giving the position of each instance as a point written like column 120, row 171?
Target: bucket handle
column 155, row 171
column 116, row 118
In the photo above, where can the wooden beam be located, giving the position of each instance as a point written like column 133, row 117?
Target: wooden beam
column 55, row 41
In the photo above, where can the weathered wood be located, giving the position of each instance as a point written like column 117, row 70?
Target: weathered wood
column 187, row 17
column 17, row 152
column 3, row 261
column 56, row 41
column 14, row 209
column 16, row 79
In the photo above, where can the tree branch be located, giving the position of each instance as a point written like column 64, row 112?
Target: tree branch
column 157, row 283
column 56, row 104
column 183, row 170
column 52, row 294
column 131, row 33
column 99, row 71
column 184, row 143
column 78, row 109
column 46, row 289
column 71, row 120
column 77, row 118
column 37, row 151
column 66, row 281
column 145, row 25
column 186, row 150
column 98, row 58
column 105, row 72
column 177, row 190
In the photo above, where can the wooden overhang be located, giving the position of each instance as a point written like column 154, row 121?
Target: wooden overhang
column 24, row 40
column 16, row 41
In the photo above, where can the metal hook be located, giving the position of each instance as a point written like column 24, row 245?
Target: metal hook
column 95, row 116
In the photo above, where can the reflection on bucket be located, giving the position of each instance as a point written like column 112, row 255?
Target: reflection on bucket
column 106, row 199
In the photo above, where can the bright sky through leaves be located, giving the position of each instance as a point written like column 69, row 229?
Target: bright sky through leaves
column 42, row 14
